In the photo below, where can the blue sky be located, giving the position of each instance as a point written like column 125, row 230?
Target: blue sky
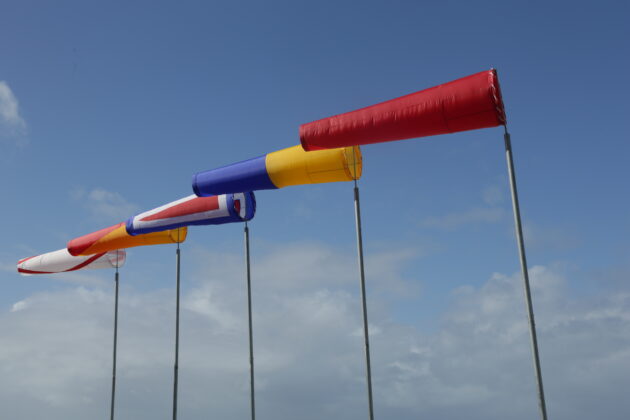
column 119, row 104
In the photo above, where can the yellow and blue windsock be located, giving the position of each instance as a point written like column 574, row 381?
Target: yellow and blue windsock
column 291, row 166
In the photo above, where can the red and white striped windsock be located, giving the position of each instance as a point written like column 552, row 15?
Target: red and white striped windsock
column 61, row 261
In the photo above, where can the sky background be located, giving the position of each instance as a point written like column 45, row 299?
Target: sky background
column 108, row 109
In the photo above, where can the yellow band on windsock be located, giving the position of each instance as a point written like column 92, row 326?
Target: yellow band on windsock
column 294, row 166
column 120, row 239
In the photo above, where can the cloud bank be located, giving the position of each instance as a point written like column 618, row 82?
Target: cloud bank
column 56, row 351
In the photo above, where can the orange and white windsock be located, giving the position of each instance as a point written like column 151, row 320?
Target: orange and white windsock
column 61, row 261
column 116, row 237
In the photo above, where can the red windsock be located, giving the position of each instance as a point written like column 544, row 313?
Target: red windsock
column 468, row 103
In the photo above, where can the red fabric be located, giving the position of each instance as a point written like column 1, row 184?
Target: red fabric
column 87, row 262
column 77, row 245
column 25, row 271
column 26, row 259
column 464, row 104
column 196, row 205
column 76, row 267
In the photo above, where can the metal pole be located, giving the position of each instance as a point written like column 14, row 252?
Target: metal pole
column 115, row 341
column 528, row 297
column 176, row 367
column 249, row 312
column 357, row 214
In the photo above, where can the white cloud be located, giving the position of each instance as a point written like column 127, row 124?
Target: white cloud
column 491, row 211
column 455, row 220
column 19, row 306
column 12, row 125
column 9, row 108
column 103, row 205
column 56, row 352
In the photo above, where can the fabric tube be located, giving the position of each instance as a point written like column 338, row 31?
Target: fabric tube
column 193, row 210
column 291, row 166
column 248, row 175
column 61, row 261
column 468, row 103
column 116, row 237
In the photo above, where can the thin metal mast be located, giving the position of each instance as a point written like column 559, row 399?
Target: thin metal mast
column 115, row 340
column 176, row 367
column 249, row 312
column 357, row 215
column 528, row 297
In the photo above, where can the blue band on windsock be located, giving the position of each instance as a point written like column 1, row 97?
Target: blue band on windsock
column 248, row 175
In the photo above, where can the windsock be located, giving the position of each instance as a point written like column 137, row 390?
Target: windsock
column 291, row 166
column 61, row 261
column 193, row 210
column 464, row 104
column 116, row 237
